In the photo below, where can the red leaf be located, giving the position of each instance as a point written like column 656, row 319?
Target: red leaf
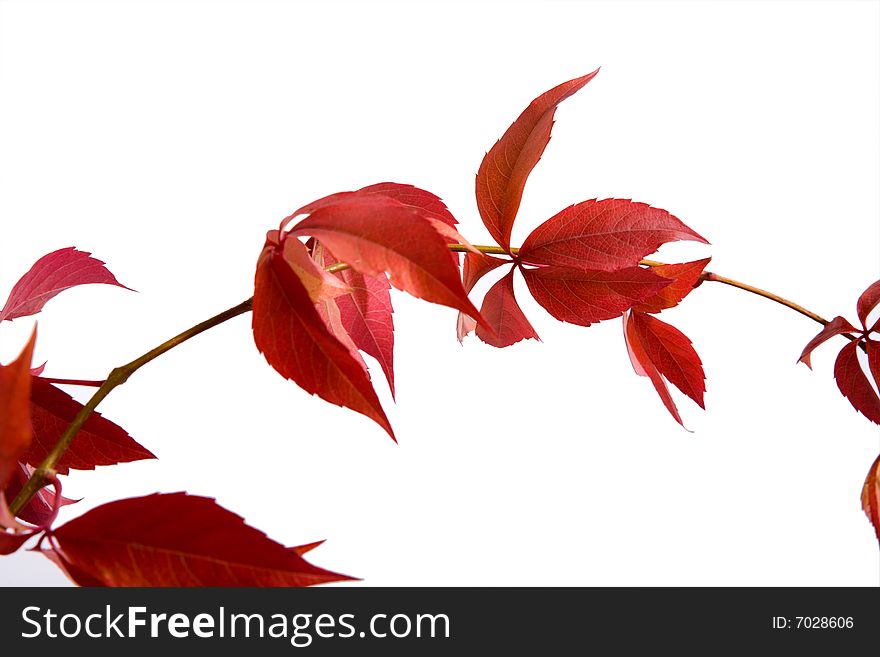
column 854, row 385
column 98, row 442
column 644, row 366
column 504, row 315
column 507, row 165
column 836, row 326
column 608, row 235
column 319, row 284
column 871, row 496
column 72, row 573
column 868, row 301
column 476, row 265
column 52, row 274
column 40, row 511
column 584, row 296
column 661, row 352
column 295, row 341
column 431, row 205
column 179, row 540
column 873, row 349
column 375, row 234
column 15, row 419
column 366, row 314
column 10, row 542
column 684, row 276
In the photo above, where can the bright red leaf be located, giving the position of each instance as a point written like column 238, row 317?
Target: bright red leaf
column 74, row 574
column 504, row 315
column 15, row 420
column 660, row 351
column 376, row 234
column 684, row 277
column 583, row 296
column 506, row 167
column 52, row 274
column 295, row 341
column 869, row 300
column 429, row 205
column 608, row 235
column 476, row 265
column 308, row 547
column 836, row 326
column 98, row 442
column 11, row 542
column 365, row 313
column 178, row 540
column 319, row 284
column 871, row 496
column 854, row 384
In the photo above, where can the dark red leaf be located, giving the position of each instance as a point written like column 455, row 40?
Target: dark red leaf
column 10, row 542
column 684, row 277
column 868, row 301
column 608, row 235
column 52, row 274
column 836, row 326
column 98, row 442
column 584, row 296
column 15, row 417
column 854, row 385
column 506, row 167
column 375, row 234
column 644, row 366
column 295, row 341
column 476, row 265
column 871, row 496
column 504, row 315
column 40, row 511
column 872, row 347
column 663, row 353
column 179, row 540
column 366, row 313
column 74, row 574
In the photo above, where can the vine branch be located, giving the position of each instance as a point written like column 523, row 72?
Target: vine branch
column 45, row 473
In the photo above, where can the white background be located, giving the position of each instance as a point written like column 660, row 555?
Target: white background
column 166, row 138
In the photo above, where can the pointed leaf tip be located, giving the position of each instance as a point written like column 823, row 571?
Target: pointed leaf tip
column 51, row 275
column 506, row 167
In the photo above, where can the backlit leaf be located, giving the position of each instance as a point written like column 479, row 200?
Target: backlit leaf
column 98, row 442
column 290, row 333
column 836, row 326
column 583, row 296
column 506, row 167
column 684, row 277
column 178, row 540
column 504, row 315
column 375, row 235
column 609, row 234
column 52, row 274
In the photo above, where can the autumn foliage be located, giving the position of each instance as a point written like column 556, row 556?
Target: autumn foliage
column 321, row 299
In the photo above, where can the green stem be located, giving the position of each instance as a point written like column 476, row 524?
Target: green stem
column 46, row 470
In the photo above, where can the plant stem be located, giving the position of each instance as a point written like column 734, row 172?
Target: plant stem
column 72, row 382
column 46, row 470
